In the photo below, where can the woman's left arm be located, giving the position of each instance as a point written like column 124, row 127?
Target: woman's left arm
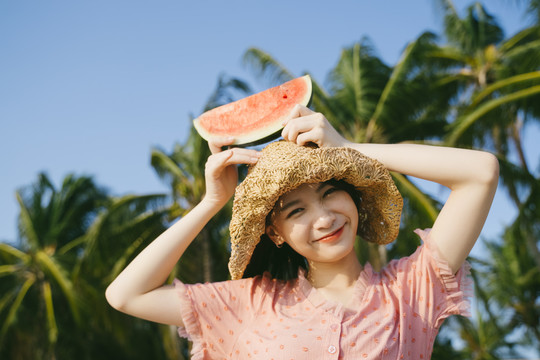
column 472, row 176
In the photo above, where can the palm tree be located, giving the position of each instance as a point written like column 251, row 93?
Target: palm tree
column 115, row 237
column 73, row 242
column 493, row 73
column 39, row 298
column 490, row 73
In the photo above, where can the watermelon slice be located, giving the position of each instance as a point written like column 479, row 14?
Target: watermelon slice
column 258, row 117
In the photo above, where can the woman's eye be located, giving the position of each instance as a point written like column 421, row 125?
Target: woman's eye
column 294, row 212
column 330, row 191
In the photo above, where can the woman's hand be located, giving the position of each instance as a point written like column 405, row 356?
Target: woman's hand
column 307, row 126
column 221, row 175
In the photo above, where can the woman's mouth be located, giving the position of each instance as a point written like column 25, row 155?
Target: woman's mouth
column 331, row 237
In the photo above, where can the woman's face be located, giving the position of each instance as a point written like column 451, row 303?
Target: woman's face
column 318, row 221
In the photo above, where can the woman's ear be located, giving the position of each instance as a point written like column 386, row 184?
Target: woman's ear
column 273, row 234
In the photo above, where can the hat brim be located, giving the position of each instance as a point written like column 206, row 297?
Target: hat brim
column 284, row 166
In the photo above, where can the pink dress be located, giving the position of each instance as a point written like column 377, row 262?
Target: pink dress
column 396, row 315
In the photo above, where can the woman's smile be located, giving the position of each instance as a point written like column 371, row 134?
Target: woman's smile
column 332, row 237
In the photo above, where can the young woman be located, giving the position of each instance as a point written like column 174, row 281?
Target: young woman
column 326, row 305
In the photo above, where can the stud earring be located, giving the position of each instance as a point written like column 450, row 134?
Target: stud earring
column 279, row 241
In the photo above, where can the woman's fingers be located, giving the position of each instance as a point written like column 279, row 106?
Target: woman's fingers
column 235, row 156
column 221, row 174
column 242, row 156
column 215, row 144
column 305, row 124
column 299, row 111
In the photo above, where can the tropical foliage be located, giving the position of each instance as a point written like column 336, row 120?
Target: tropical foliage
column 472, row 86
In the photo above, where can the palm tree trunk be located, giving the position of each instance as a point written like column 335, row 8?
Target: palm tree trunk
column 530, row 241
column 206, row 256
column 516, row 138
column 512, row 191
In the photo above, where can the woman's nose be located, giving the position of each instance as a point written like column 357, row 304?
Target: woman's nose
column 325, row 218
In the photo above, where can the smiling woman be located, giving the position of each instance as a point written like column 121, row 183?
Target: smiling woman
column 320, row 302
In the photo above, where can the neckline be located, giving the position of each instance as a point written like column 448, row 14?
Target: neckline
column 316, row 298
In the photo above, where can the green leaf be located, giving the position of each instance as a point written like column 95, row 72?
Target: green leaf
column 502, row 83
column 15, row 307
column 466, row 121
column 120, row 264
column 50, row 265
column 418, row 195
column 51, row 319
column 8, row 249
column 266, row 66
column 27, row 223
column 7, row 269
column 165, row 165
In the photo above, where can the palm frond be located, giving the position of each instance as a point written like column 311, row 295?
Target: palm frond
column 266, row 66
column 49, row 309
column 61, row 278
column 225, row 91
column 120, row 264
column 10, row 318
column 8, row 269
column 463, row 123
column 405, row 94
column 166, row 167
column 12, row 251
column 399, row 71
column 521, row 78
column 415, row 194
column 27, row 224
column 518, row 39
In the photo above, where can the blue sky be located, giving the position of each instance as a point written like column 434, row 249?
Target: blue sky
column 91, row 86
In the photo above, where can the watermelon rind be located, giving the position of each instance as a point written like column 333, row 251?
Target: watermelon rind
column 263, row 134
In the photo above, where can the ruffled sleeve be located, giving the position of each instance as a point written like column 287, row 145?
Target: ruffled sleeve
column 429, row 287
column 457, row 289
column 215, row 314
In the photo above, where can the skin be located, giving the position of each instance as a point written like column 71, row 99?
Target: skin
column 472, row 177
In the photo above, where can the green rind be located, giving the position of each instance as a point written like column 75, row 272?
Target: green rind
column 263, row 135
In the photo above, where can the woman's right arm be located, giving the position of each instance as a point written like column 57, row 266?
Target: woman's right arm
column 139, row 289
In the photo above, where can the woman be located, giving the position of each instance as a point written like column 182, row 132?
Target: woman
column 334, row 308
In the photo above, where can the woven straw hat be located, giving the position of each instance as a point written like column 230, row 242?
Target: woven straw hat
column 284, row 166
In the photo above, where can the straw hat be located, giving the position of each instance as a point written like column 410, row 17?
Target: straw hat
column 284, row 166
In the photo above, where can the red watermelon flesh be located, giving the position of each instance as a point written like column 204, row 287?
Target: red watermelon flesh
column 257, row 116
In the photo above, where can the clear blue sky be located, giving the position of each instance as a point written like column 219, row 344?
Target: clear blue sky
column 90, row 86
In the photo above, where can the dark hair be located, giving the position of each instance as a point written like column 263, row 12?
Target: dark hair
column 283, row 262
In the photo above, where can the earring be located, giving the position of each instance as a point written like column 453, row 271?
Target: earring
column 279, row 241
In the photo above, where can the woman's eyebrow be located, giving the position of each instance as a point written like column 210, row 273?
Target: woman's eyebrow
column 289, row 205
column 321, row 186
column 296, row 201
